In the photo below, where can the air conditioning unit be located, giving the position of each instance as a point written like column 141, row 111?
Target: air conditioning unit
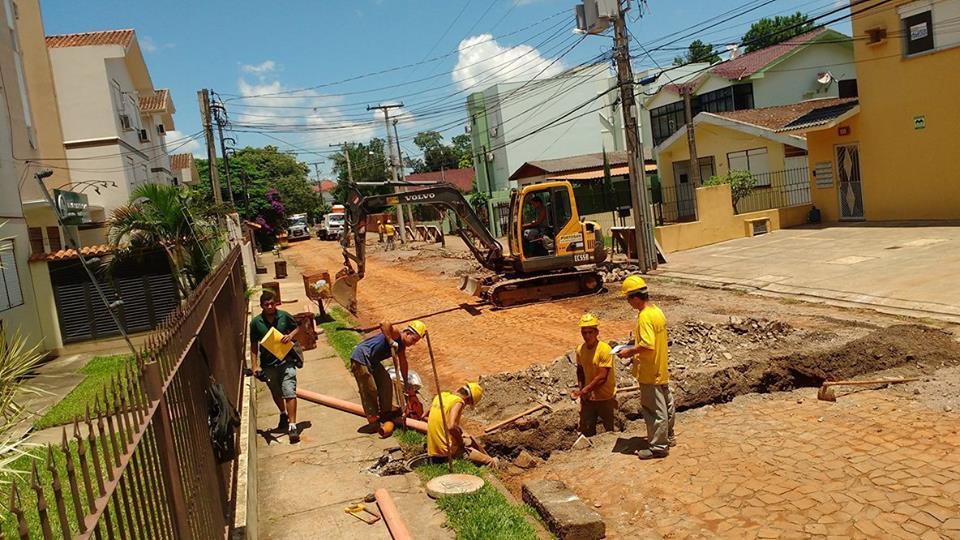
column 467, row 128
column 125, row 122
column 143, row 136
column 493, row 132
column 489, row 156
column 876, row 35
column 161, row 130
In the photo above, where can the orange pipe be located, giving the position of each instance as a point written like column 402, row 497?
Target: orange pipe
column 352, row 408
column 396, row 526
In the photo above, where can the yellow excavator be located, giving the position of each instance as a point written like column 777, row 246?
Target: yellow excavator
column 552, row 252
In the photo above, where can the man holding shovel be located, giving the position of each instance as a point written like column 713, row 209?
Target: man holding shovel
column 373, row 381
column 596, row 380
column 447, row 442
column 649, row 354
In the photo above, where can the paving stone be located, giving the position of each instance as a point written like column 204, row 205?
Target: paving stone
column 564, row 513
column 925, row 519
column 868, row 528
column 914, row 527
column 938, row 512
column 952, row 524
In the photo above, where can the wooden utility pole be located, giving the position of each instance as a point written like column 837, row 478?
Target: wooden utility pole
column 219, row 115
column 694, row 174
column 203, row 96
column 393, row 159
column 403, row 176
column 639, row 197
column 316, row 170
column 346, row 153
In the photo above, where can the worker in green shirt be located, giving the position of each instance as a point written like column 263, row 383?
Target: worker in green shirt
column 280, row 373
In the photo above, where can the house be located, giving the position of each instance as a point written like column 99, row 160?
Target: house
column 325, row 189
column 462, row 179
column 184, row 169
column 512, row 123
column 892, row 156
column 19, row 146
column 752, row 140
column 817, row 64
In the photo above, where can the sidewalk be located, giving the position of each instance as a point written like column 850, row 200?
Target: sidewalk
column 303, row 489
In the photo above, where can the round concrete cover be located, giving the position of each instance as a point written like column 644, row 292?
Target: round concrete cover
column 454, row 484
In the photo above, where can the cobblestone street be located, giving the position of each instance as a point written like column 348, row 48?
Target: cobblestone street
column 873, row 464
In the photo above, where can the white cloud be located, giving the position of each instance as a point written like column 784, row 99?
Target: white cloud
column 178, row 143
column 149, row 45
column 261, row 69
column 483, row 62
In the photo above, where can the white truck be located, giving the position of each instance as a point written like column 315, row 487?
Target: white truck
column 297, row 228
column 332, row 224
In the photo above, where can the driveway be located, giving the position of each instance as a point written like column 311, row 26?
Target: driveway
column 907, row 269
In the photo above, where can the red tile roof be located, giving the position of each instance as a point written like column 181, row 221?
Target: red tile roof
column 156, row 102
column 462, row 179
column 778, row 117
column 86, row 39
column 181, row 161
column 752, row 62
column 324, row 186
column 64, row 254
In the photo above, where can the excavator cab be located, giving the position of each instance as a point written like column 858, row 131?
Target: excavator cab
column 546, row 231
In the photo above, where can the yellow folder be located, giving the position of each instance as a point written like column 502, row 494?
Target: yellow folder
column 271, row 342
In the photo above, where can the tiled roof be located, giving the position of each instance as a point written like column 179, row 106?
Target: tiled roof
column 86, row 39
column 752, row 62
column 65, row 254
column 567, row 164
column 779, row 117
column 462, row 179
column 156, row 102
column 819, row 117
column 181, row 161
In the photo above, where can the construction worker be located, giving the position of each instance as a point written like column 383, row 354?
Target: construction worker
column 380, row 229
column 280, row 374
column 439, row 447
column 596, row 379
column 373, row 381
column 649, row 354
column 390, row 232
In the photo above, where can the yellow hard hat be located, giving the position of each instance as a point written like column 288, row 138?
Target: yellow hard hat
column 632, row 284
column 476, row 392
column 417, row 327
column 589, row 319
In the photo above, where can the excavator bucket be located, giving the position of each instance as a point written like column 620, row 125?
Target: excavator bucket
column 344, row 291
column 470, row 285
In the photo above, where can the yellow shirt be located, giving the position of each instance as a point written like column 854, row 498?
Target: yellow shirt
column 591, row 360
column 388, row 230
column 650, row 364
column 437, row 444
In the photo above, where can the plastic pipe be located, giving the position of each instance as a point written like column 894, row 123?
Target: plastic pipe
column 352, row 408
column 396, row 526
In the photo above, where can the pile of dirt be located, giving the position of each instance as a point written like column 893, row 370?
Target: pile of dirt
column 541, row 436
column 695, row 344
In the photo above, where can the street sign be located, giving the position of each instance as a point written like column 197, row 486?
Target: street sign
column 72, row 207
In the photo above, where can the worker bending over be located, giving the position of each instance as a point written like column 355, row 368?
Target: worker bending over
column 439, row 446
column 373, row 381
column 649, row 354
column 596, row 379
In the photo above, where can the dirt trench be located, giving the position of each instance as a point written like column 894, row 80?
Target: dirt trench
column 920, row 348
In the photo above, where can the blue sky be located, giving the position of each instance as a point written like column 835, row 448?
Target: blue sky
column 246, row 48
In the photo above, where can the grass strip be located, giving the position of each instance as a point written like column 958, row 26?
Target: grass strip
column 97, row 375
column 482, row 515
column 342, row 340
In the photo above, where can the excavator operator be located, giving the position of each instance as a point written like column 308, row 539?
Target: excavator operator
column 536, row 232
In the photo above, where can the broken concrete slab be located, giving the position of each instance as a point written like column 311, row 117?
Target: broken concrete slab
column 565, row 514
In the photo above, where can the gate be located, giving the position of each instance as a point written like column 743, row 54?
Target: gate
column 848, row 170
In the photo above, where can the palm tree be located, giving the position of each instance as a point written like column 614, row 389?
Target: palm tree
column 161, row 217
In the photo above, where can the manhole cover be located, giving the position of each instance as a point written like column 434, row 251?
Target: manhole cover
column 454, row 484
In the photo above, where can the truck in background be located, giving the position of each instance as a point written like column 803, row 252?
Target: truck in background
column 332, row 224
column 297, row 228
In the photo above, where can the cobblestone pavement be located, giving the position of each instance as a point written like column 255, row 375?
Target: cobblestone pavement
column 872, row 465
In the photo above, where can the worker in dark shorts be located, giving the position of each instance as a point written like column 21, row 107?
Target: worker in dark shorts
column 596, row 379
column 373, row 381
column 279, row 374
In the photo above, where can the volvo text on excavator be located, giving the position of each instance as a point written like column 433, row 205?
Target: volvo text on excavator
column 552, row 253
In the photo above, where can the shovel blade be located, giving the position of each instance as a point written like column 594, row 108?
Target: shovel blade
column 471, row 285
column 344, row 291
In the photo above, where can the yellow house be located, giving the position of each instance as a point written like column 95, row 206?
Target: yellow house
column 741, row 140
column 892, row 158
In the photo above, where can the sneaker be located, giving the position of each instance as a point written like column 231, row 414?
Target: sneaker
column 294, row 435
column 284, row 423
column 650, row 454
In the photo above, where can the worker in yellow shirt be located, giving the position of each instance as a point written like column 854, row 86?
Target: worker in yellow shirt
column 596, row 379
column 380, row 229
column 649, row 354
column 391, row 233
column 449, row 441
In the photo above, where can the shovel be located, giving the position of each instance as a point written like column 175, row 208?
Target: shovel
column 490, row 429
column 826, row 392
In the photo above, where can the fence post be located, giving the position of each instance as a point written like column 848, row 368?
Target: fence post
column 163, row 429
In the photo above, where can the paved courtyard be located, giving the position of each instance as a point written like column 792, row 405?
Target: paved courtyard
column 899, row 268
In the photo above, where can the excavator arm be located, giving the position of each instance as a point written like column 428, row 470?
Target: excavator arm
column 487, row 250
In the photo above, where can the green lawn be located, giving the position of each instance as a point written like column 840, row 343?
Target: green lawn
column 98, row 373
column 342, row 341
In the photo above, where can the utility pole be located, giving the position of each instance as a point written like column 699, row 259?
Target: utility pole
column 316, row 170
column 220, row 117
column 393, row 158
column 346, row 153
column 403, row 176
column 639, row 197
column 687, row 89
column 203, row 96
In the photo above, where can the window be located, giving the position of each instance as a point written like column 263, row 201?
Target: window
column 561, row 208
column 742, row 96
column 667, row 119
column 848, row 88
column 753, row 160
column 10, row 294
column 918, row 33
column 929, row 25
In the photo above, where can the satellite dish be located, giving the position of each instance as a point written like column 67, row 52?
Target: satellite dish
column 825, row 78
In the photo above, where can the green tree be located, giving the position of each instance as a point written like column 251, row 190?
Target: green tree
column 436, row 155
column 162, row 217
column 767, row 32
column 368, row 163
column 463, row 146
column 741, row 183
column 698, row 51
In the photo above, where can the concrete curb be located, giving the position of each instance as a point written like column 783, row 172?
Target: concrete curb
column 245, row 511
column 494, row 481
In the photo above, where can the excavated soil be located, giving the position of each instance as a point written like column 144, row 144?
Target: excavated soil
column 916, row 348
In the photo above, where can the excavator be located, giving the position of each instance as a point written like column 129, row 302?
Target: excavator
column 547, row 239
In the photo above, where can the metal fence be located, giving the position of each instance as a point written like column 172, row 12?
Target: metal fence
column 777, row 189
column 140, row 463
